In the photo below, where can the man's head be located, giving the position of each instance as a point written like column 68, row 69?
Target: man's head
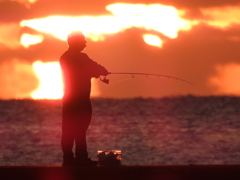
column 77, row 40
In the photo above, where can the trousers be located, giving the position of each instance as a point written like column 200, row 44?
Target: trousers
column 76, row 118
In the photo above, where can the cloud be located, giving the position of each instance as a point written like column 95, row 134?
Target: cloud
column 16, row 10
column 124, row 16
column 12, row 11
column 222, row 16
column 34, row 52
column 9, row 35
column 17, row 79
column 27, row 3
column 192, row 56
column 196, row 4
column 226, row 79
column 44, row 8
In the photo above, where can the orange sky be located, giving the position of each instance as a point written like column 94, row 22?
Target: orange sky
column 193, row 40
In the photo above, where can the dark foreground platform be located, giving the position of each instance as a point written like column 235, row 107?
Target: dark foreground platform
column 164, row 172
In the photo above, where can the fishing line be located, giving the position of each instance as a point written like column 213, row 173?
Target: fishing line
column 120, row 80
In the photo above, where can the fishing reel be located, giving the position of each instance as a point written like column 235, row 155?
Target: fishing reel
column 105, row 80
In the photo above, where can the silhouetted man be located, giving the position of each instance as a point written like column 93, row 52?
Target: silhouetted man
column 77, row 69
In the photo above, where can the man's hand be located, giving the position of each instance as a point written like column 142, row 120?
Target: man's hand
column 105, row 80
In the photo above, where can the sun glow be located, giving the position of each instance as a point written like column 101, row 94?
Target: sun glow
column 155, row 17
column 161, row 18
column 152, row 40
column 28, row 39
column 50, row 81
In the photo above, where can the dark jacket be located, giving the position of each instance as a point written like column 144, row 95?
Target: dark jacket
column 77, row 71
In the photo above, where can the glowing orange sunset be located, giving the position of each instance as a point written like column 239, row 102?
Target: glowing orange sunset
column 114, row 89
column 182, row 41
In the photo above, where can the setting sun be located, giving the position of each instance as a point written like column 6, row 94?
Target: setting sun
column 50, row 82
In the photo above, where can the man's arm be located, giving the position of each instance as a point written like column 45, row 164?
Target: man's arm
column 101, row 71
column 96, row 69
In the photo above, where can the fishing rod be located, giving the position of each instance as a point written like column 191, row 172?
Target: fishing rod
column 105, row 80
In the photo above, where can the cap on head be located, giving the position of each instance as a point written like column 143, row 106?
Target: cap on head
column 75, row 37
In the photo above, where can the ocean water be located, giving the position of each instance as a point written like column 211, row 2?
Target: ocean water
column 165, row 131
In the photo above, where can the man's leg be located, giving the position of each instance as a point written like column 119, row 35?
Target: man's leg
column 80, row 137
column 83, row 123
column 67, row 139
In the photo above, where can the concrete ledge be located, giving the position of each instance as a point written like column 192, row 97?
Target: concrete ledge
column 159, row 172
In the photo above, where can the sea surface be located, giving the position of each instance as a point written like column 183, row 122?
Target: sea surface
column 165, row 131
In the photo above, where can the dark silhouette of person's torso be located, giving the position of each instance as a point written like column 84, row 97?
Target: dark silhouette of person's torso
column 76, row 76
column 78, row 69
